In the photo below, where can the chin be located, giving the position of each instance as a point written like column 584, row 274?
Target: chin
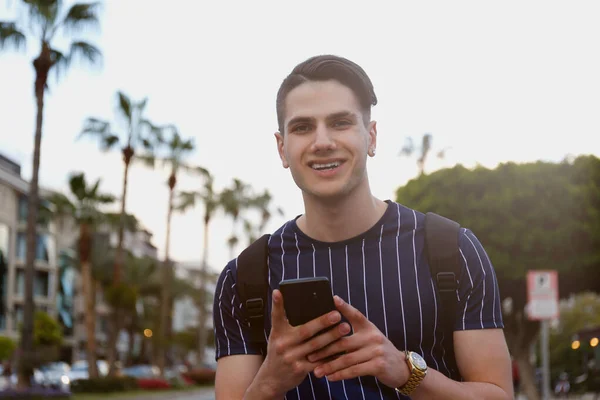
column 331, row 192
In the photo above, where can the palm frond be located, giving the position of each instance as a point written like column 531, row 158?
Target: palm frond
column 81, row 15
column 125, row 106
column 11, row 35
column 86, row 52
column 131, row 223
column 60, row 205
column 78, row 186
column 185, row 200
column 105, row 198
column 60, row 62
column 147, row 159
column 43, row 13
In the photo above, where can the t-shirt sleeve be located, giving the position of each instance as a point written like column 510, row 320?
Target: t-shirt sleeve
column 232, row 333
column 478, row 293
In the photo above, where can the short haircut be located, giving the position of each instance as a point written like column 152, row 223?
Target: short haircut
column 324, row 68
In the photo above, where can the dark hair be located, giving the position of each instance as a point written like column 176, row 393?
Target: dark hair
column 324, row 68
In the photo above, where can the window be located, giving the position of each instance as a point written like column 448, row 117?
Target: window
column 45, row 249
column 22, row 209
column 20, row 286
column 24, row 205
column 4, row 250
column 41, row 286
column 18, row 316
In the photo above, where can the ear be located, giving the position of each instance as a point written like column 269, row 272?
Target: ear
column 372, row 140
column 279, row 139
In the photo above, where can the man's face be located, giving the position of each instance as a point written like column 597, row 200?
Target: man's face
column 326, row 141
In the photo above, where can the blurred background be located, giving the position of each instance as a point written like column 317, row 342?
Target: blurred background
column 137, row 158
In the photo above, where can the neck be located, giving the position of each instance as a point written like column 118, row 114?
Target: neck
column 340, row 219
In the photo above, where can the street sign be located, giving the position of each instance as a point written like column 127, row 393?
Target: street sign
column 542, row 295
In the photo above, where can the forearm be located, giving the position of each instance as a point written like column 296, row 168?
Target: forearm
column 438, row 386
column 263, row 387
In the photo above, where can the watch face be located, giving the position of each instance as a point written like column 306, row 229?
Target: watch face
column 418, row 361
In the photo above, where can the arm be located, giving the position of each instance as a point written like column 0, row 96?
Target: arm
column 485, row 368
column 235, row 375
column 481, row 353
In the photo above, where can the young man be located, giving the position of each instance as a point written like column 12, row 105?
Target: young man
column 372, row 251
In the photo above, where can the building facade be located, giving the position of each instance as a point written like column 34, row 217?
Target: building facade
column 13, row 222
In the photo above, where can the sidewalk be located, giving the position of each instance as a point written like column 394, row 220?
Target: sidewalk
column 207, row 393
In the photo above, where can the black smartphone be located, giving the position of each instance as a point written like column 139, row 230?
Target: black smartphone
column 305, row 299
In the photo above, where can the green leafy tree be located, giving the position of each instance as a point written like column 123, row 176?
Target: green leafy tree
column 47, row 331
column 7, row 348
column 47, row 19
column 528, row 216
column 581, row 312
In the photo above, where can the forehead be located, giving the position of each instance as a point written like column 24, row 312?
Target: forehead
column 318, row 99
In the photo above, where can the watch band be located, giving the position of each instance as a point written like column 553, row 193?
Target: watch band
column 414, row 380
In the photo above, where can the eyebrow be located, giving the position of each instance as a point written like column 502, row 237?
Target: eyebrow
column 334, row 116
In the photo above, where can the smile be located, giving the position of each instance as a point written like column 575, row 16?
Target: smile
column 325, row 167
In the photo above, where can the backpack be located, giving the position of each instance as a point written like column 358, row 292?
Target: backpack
column 441, row 246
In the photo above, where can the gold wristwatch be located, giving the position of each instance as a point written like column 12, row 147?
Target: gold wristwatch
column 418, row 369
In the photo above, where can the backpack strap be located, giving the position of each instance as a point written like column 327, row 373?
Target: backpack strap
column 253, row 284
column 443, row 256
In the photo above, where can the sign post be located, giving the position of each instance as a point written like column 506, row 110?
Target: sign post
column 542, row 305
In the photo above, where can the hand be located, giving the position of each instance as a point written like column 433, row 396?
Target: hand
column 367, row 352
column 286, row 365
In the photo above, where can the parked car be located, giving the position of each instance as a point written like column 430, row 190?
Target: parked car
column 141, row 371
column 79, row 370
column 56, row 375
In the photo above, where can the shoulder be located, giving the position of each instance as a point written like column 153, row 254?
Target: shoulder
column 227, row 277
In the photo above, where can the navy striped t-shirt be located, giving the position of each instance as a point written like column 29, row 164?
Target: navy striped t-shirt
column 384, row 274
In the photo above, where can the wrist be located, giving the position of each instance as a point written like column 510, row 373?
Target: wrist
column 417, row 371
column 259, row 390
column 403, row 372
column 263, row 388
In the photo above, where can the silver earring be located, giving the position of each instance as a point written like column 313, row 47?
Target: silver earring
column 373, row 152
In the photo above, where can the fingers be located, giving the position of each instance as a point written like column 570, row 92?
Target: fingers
column 343, row 344
column 322, row 340
column 278, row 319
column 350, row 365
column 355, row 317
column 306, row 331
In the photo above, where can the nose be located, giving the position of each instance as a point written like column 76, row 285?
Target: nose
column 323, row 140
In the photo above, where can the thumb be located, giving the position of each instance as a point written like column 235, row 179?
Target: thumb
column 278, row 319
column 354, row 317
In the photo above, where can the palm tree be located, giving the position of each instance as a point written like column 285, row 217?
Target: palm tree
column 177, row 149
column 140, row 134
column 46, row 19
column 409, row 148
column 82, row 203
column 234, row 200
column 211, row 202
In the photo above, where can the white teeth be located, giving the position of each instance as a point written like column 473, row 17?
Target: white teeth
column 326, row 166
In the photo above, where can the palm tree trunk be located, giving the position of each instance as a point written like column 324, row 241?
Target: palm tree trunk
column 115, row 326
column 202, row 298
column 131, row 334
column 165, row 295
column 89, row 293
column 25, row 364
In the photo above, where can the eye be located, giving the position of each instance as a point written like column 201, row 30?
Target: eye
column 301, row 128
column 342, row 123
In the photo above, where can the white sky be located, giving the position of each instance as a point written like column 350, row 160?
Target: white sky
column 511, row 80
